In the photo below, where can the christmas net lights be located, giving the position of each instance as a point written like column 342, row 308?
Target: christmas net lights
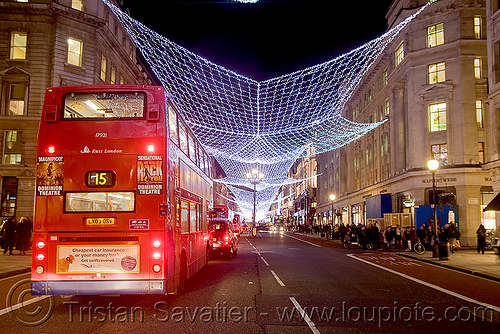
column 268, row 124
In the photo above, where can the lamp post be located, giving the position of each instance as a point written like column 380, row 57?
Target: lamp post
column 433, row 165
column 332, row 198
column 254, row 176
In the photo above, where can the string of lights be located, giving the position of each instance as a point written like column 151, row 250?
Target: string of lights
column 269, row 124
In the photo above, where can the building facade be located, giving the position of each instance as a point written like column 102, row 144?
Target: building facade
column 492, row 149
column 431, row 88
column 45, row 43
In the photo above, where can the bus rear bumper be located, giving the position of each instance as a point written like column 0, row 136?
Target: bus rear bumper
column 58, row 288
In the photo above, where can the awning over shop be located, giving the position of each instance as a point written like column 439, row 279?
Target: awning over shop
column 494, row 205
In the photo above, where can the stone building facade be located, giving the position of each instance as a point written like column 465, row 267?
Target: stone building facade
column 46, row 43
column 431, row 88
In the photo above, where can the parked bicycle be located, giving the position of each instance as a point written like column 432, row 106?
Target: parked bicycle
column 353, row 241
column 419, row 247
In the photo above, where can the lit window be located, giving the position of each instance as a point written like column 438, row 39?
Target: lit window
column 12, row 147
column 386, row 107
column 477, row 27
column 437, row 117
column 77, row 4
column 172, row 125
column 384, row 78
column 440, row 153
column 18, row 45
column 22, row 0
column 487, row 217
column 479, row 113
column 9, row 197
column 113, row 75
column 103, row 68
column 122, row 81
column 480, row 151
column 435, row 35
column 400, row 53
column 436, row 73
column 75, row 51
column 477, row 68
column 16, row 99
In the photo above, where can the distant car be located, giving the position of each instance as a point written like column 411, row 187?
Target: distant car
column 263, row 227
column 224, row 239
column 237, row 228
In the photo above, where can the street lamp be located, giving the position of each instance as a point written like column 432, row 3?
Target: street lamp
column 254, row 176
column 332, row 198
column 433, row 165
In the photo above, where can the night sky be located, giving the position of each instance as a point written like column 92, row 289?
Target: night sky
column 266, row 39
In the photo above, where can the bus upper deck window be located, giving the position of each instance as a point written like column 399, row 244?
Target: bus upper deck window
column 104, row 105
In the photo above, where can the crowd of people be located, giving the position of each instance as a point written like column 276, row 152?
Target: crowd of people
column 395, row 237
column 16, row 235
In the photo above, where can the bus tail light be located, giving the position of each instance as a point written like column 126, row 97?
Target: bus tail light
column 151, row 148
column 39, row 270
column 40, row 257
column 156, row 268
column 156, row 256
column 156, row 243
column 40, row 244
column 51, row 149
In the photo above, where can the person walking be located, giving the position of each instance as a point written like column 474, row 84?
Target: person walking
column 481, row 239
column 8, row 234
column 452, row 234
column 389, row 237
column 24, row 229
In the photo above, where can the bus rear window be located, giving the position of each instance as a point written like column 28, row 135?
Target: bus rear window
column 104, row 105
column 123, row 201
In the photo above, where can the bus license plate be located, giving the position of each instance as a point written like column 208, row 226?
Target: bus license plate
column 99, row 221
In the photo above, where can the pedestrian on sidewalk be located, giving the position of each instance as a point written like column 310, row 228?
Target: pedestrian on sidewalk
column 481, row 239
column 389, row 237
column 452, row 237
column 8, row 234
column 397, row 236
column 24, row 229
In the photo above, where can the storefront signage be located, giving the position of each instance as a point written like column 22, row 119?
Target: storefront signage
column 440, row 179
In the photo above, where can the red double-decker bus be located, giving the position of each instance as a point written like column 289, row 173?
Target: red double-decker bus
column 123, row 193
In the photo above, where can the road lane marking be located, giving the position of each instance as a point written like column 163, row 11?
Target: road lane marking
column 251, row 244
column 280, row 282
column 430, row 285
column 304, row 316
column 14, row 276
column 22, row 304
column 307, row 242
column 267, row 264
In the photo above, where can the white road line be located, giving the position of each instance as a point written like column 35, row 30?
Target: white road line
column 24, row 303
column 280, row 282
column 430, row 285
column 265, row 262
column 11, row 277
column 251, row 244
column 304, row 316
column 307, row 242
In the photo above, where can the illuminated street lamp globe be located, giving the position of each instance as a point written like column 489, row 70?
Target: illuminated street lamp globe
column 433, row 165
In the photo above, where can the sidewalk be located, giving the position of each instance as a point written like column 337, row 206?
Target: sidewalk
column 466, row 259
column 11, row 265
